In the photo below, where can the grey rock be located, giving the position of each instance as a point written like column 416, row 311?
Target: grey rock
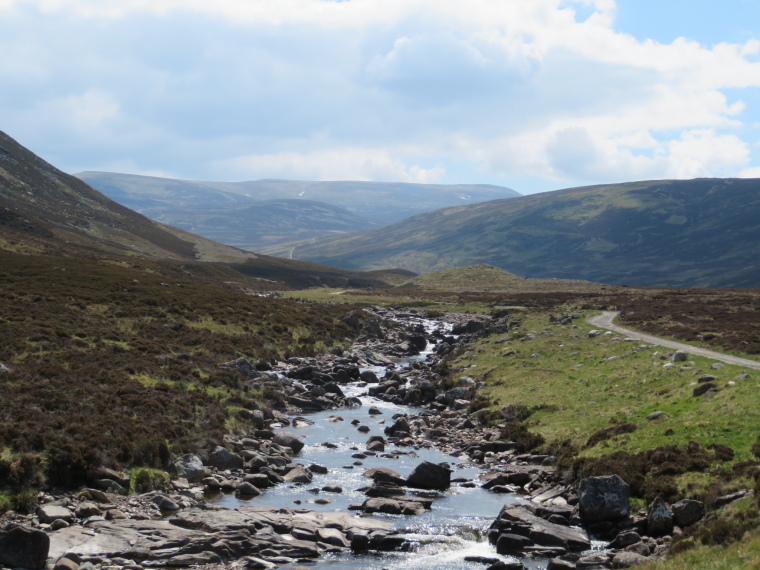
column 23, row 547
column 190, row 467
column 49, row 513
column 657, row 416
column 659, row 518
column 603, row 498
column 704, row 388
column 559, row 564
column 299, row 474
column 223, row 458
column 687, row 512
column 429, row 475
column 287, row 439
column 518, row 519
column 628, row 559
column 593, row 561
column 680, row 356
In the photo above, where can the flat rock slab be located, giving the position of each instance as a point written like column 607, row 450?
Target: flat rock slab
column 521, row 521
column 247, row 530
column 115, row 538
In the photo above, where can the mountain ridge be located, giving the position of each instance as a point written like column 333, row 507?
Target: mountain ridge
column 701, row 232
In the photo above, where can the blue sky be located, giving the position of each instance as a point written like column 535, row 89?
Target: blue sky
column 531, row 94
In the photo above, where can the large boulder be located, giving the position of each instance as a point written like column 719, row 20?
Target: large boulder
column 223, row 458
column 659, row 518
column 429, row 475
column 603, row 498
column 687, row 512
column 190, row 467
column 287, row 439
column 23, row 547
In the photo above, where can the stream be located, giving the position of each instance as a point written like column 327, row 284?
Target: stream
column 440, row 539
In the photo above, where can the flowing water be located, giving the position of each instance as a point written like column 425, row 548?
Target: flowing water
column 441, row 538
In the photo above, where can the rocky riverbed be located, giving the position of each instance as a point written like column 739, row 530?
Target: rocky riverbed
column 544, row 521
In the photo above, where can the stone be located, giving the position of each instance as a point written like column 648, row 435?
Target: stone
column 246, row 489
column 659, row 518
column 287, row 439
column 49, row 513
column 502, row 565
column 687, row 512
column 603, row 498
column 625, row 538
column 333, row 536
column 559, row 564
column 628, row 559
column 374, row 411
column 65, row 563
column 429, row 475
column 23, row 547
column 680, row 356
column 509, row 543
column 223, row 458
column 165, row 503
column 410, row 506
column 592, row 561
column 299, row 474
column 190, row 467
column 87, row 509
column 244, row 366
column 702, row 389
column 519, row 519
column 657, row 416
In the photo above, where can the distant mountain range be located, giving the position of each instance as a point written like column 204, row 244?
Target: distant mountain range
column 255, row 215
column 703, row 232
column 44, row 211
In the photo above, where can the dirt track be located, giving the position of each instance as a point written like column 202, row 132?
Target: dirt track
column 605, row 321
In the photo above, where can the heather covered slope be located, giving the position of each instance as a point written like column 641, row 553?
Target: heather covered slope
column 702, row 232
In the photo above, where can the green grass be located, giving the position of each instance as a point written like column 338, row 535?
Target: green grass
column 581, row 392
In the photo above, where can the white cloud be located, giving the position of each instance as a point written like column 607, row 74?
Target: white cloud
column 350, row 163
column 372, row 89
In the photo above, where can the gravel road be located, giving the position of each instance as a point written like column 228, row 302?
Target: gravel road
column 605, row 321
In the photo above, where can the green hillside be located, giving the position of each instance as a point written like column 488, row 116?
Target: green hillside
column 702, row 232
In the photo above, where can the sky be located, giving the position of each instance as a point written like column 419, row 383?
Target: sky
column 534, row 95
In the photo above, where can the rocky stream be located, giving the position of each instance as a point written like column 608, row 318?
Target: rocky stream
column 369, row 463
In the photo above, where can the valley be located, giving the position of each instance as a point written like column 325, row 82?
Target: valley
column 172, row 401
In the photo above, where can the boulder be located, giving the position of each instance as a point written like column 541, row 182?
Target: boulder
column 628, row 559
column 287, row 439
column 680, row 356
column 603, row 498
column 687, row 512
column 87, row 509
column 299, row 474
column 520, row 520
column 244, row 366
column 406, row 506
column 704, row 388
column 23, row 547
column 659, row 518
column 50, row 513
column 429, row 475
column 190, row 467
column 223, row 458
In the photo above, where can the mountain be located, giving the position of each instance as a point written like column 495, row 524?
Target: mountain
column 44, row 211
column 366, row 204
column 703, row 232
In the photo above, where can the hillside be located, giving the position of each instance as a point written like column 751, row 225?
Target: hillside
column 44, row 211
column 365, row 203
column 702, row 232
